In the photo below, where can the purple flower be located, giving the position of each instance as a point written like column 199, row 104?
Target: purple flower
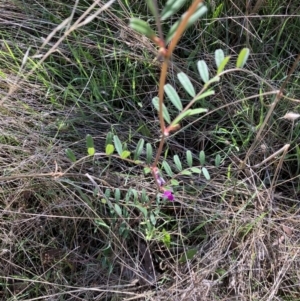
column 168, row 194
column 160, row 181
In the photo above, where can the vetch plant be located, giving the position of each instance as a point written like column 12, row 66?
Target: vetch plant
column 168, row 125
column 166, row 47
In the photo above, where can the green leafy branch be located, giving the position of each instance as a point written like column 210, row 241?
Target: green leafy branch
column 196, row 10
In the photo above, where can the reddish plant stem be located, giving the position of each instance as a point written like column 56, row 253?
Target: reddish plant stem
column 163, row 74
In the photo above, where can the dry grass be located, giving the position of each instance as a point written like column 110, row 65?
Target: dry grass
column 59, row 239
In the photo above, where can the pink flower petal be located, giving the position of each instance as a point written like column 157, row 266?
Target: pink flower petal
column 168, row 194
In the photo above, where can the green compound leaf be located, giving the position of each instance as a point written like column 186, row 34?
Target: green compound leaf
column 155, row 102
column 219, row 57
column 167, row 168
column 202, row 9
column 177, row 162
column 171, row 7
column 189, row 158
column 206, row 173
column 109, row 149
column 139, row 149
column 149, row 153
column 141, row 27
column 173, row 96
column 186, row 84
column 70, row 155
column 90, row 145
column 118, row 145
column 242, row 58
column 203, row 70
column 223, row 64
